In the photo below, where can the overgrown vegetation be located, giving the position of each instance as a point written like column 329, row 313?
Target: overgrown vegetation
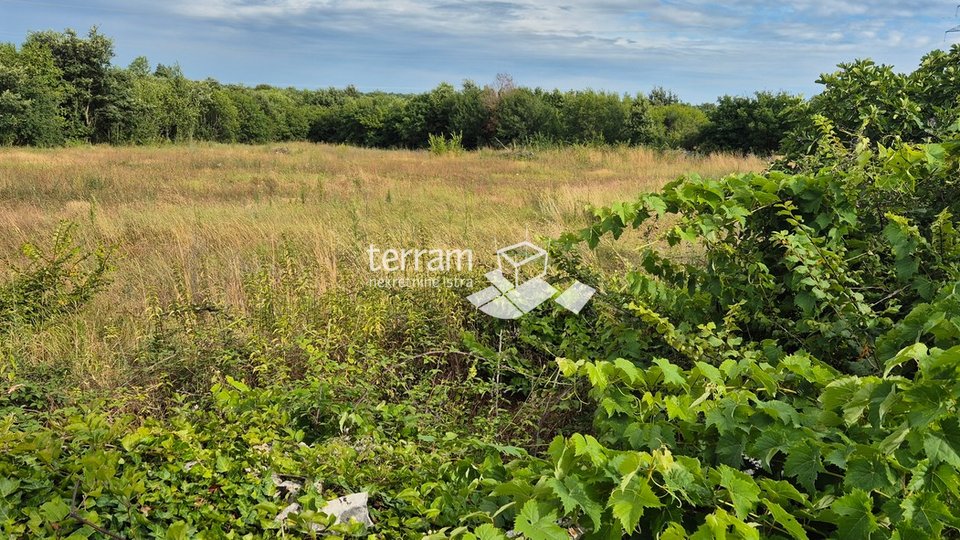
column 802, row 378
column 781, row 361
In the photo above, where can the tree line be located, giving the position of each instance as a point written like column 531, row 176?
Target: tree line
column 61, row 87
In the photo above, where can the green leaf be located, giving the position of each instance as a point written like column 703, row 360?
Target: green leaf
column 730, row 447
column 855, row 519
column 517, row 488
column 178, row 531
column 782, row 490
column 629, row 500
column 803, row 463
column 588, row 446
column 916, row 352
column 786, row 520
column 8, row 486
column 773, row 440
column 54, row 510
column 489, row 532
column 710, row 372
column 869, row 474
column 130, row 441
column 892, row 441
column 671, row 373
column 780, row 410
column 717, row 524
column 536, row 525
column 572, row 495
column 628, row 369
column 742, row 489
column 927, row 512
column 239, row 385
column 938, row 449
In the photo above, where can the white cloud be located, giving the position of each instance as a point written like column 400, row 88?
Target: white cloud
column 753, row 41
column 241, row 9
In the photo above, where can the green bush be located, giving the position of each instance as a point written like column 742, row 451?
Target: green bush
column 441, row 145
column 677, row 125
column 803, row 381
column 53, row 282
column 751, row 124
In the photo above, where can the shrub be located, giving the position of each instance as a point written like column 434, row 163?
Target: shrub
column 803, row 377
column 52, row 283
column 677, row 125
column 441, row 145
column 751, row 124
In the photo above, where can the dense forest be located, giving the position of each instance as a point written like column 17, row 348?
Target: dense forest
column 61, row 87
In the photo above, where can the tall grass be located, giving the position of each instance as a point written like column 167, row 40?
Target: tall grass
column 218, row 246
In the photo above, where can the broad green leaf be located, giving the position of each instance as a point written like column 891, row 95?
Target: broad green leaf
column 586, row 445
column 869, row 474
column 572, row 495
column 803, row 463
column 855, row 519
column 239, row 385
column 928, row 512
column 535, row 524
column 893, row 441
column 629, row 501
column 628, row 369
column 938, row 449
column 178, row 531
column 8, row 486
column 780, row 410
column 742, row 490
column 489, row 532
column 786, row 520
column 671, row 373
column 517, row 488
column 916, row 352
column 781, row 490
column 710, row 372
column 54, row 510
column 717, row 525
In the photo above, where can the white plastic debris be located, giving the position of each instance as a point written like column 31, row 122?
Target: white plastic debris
column 291, row 509
column 346, row 508
column 349, row 507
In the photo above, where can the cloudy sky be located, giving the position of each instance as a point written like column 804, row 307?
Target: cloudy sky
column 700, row 49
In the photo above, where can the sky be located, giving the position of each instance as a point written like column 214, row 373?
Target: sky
column 699, row 49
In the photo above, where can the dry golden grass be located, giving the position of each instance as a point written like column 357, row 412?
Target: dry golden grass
column 191, row 221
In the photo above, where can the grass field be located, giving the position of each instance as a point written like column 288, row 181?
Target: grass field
column 256, row 231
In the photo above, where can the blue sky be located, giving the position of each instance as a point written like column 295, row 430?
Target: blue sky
column 701, row 49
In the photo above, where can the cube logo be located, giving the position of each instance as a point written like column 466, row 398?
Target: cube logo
column 517, row 285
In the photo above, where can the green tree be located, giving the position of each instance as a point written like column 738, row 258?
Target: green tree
column 219, row 118
column 426, row 114
column 677, row 125
column 522, row 114
column 935, row 88
column 470, row 117
column 640, row 124
column 660, row 96
column 751, row 124
column 84, row 64
column 253, row 122
column 30, row 96
column 590, row 116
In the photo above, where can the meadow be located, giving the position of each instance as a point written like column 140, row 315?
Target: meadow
column 247, row 230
